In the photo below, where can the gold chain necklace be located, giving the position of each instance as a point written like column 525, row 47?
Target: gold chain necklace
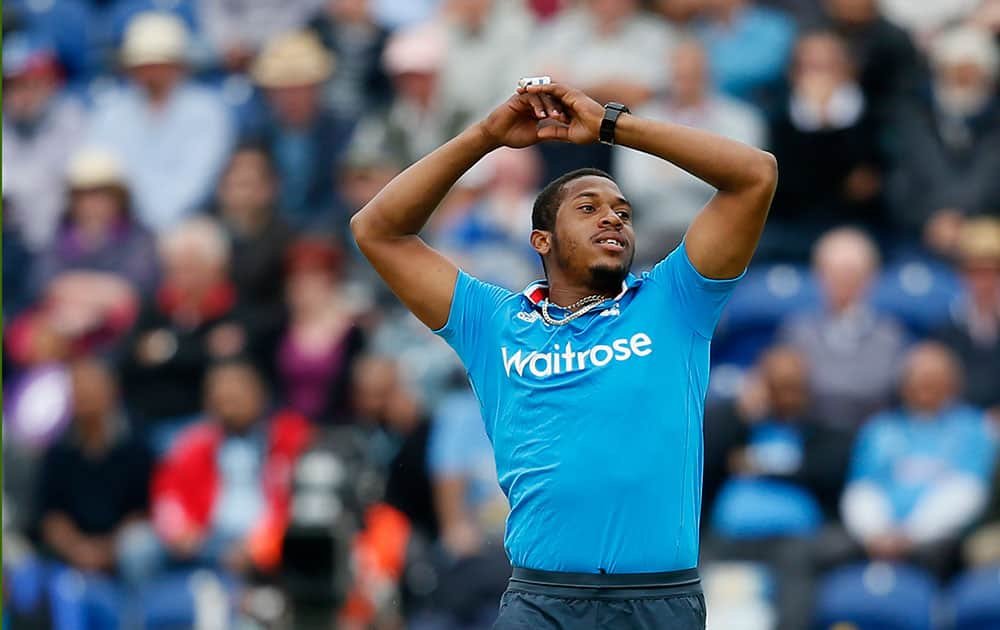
column 579, row 308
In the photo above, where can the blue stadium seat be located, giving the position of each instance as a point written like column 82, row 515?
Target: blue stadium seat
column 975, row 599
column 876, row 596
column 24, row 584
column 764, row 297
column 168, row 603
column 918, row 292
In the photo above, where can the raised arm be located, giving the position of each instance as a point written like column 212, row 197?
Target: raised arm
column 722, row 238
column 386, row 228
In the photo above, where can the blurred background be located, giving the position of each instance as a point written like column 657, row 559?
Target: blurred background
column 216, row 416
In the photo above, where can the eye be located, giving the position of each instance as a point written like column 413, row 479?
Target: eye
column 587, row 207
column 624, row 215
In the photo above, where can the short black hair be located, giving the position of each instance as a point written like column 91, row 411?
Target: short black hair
column 543, row 214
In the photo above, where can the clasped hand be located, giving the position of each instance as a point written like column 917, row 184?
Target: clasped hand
column 544, row 112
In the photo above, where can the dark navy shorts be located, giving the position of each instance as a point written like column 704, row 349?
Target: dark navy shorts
column 544, row 600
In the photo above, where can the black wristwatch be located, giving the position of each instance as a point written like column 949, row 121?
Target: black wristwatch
column 611, row 113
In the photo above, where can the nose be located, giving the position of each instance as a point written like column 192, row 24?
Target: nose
column 611, row 219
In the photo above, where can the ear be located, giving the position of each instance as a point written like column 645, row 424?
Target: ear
column 541, row 241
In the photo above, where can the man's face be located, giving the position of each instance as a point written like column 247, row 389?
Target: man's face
column 930, row 380
column 593, row 241
column 963, row 89
column 247, row 185
column 297, row 105
column 785, row 375
column 94, row 392
column 157, row 78
column 25, row 97
column 234, row 396
column 690, row 72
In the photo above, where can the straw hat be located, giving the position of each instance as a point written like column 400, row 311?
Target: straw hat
column 154, row 38
column 979, row 241
column 291, row 60
column 94, row 167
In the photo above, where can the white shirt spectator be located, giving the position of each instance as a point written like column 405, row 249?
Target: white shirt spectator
column 250, row 24
column 171, row 156
column 575, row 50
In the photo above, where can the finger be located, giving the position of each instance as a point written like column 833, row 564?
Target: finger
column 553, row 130
column 552, row 106
column 557, row 90
column 537, row 105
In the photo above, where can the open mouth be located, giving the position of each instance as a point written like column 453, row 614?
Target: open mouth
column 612, row 244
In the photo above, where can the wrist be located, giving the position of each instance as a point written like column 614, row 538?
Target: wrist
column 484, row 140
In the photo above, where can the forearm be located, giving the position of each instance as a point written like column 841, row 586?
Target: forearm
column 946, row 509
column 728, row 165
column 407, row 202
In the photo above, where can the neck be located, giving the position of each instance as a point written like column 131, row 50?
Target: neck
column 568, row 295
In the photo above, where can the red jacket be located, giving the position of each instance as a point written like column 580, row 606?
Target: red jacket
column 186, row 485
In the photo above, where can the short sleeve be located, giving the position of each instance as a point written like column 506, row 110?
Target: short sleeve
column 472, row 305
column 454, row 432
column 699, row 299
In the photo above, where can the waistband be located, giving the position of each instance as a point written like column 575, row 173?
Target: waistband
column 605, row 585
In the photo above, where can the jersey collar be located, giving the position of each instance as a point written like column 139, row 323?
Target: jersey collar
column 539, row 290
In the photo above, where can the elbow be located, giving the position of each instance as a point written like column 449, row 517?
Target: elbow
column 360, row 228
column 766, row 171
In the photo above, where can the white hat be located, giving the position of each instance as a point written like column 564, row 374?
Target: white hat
column 293, row 59
column 966, row 44
column 154, row 38
column 94, row 167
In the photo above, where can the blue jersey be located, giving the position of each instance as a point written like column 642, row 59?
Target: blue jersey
column 596, row 425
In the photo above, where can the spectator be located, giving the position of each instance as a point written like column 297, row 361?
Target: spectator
column 235, row 31
column 349, row 30
column 222, row 494
column 471, row 510
column 826, row 143
column 487, row 42
column 193, row 318
column 418, row 121
column 485, row 221
column 364, row 172
column 317, row 352
column 399, row 527
column 172, row 135
column 245, row 203
column 99, row 240
column 946, row 166
column 86, row 286
column 665, row 197
column 790, row 469
column 605, row 48
column 852, row 351
column 93, row 489
column 40, row 128
column 920, row 474
column 749, row 46
column 882, row 53
column 305, row 137
column 974, row 331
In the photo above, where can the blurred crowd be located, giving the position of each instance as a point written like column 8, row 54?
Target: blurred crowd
column 216, row 416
